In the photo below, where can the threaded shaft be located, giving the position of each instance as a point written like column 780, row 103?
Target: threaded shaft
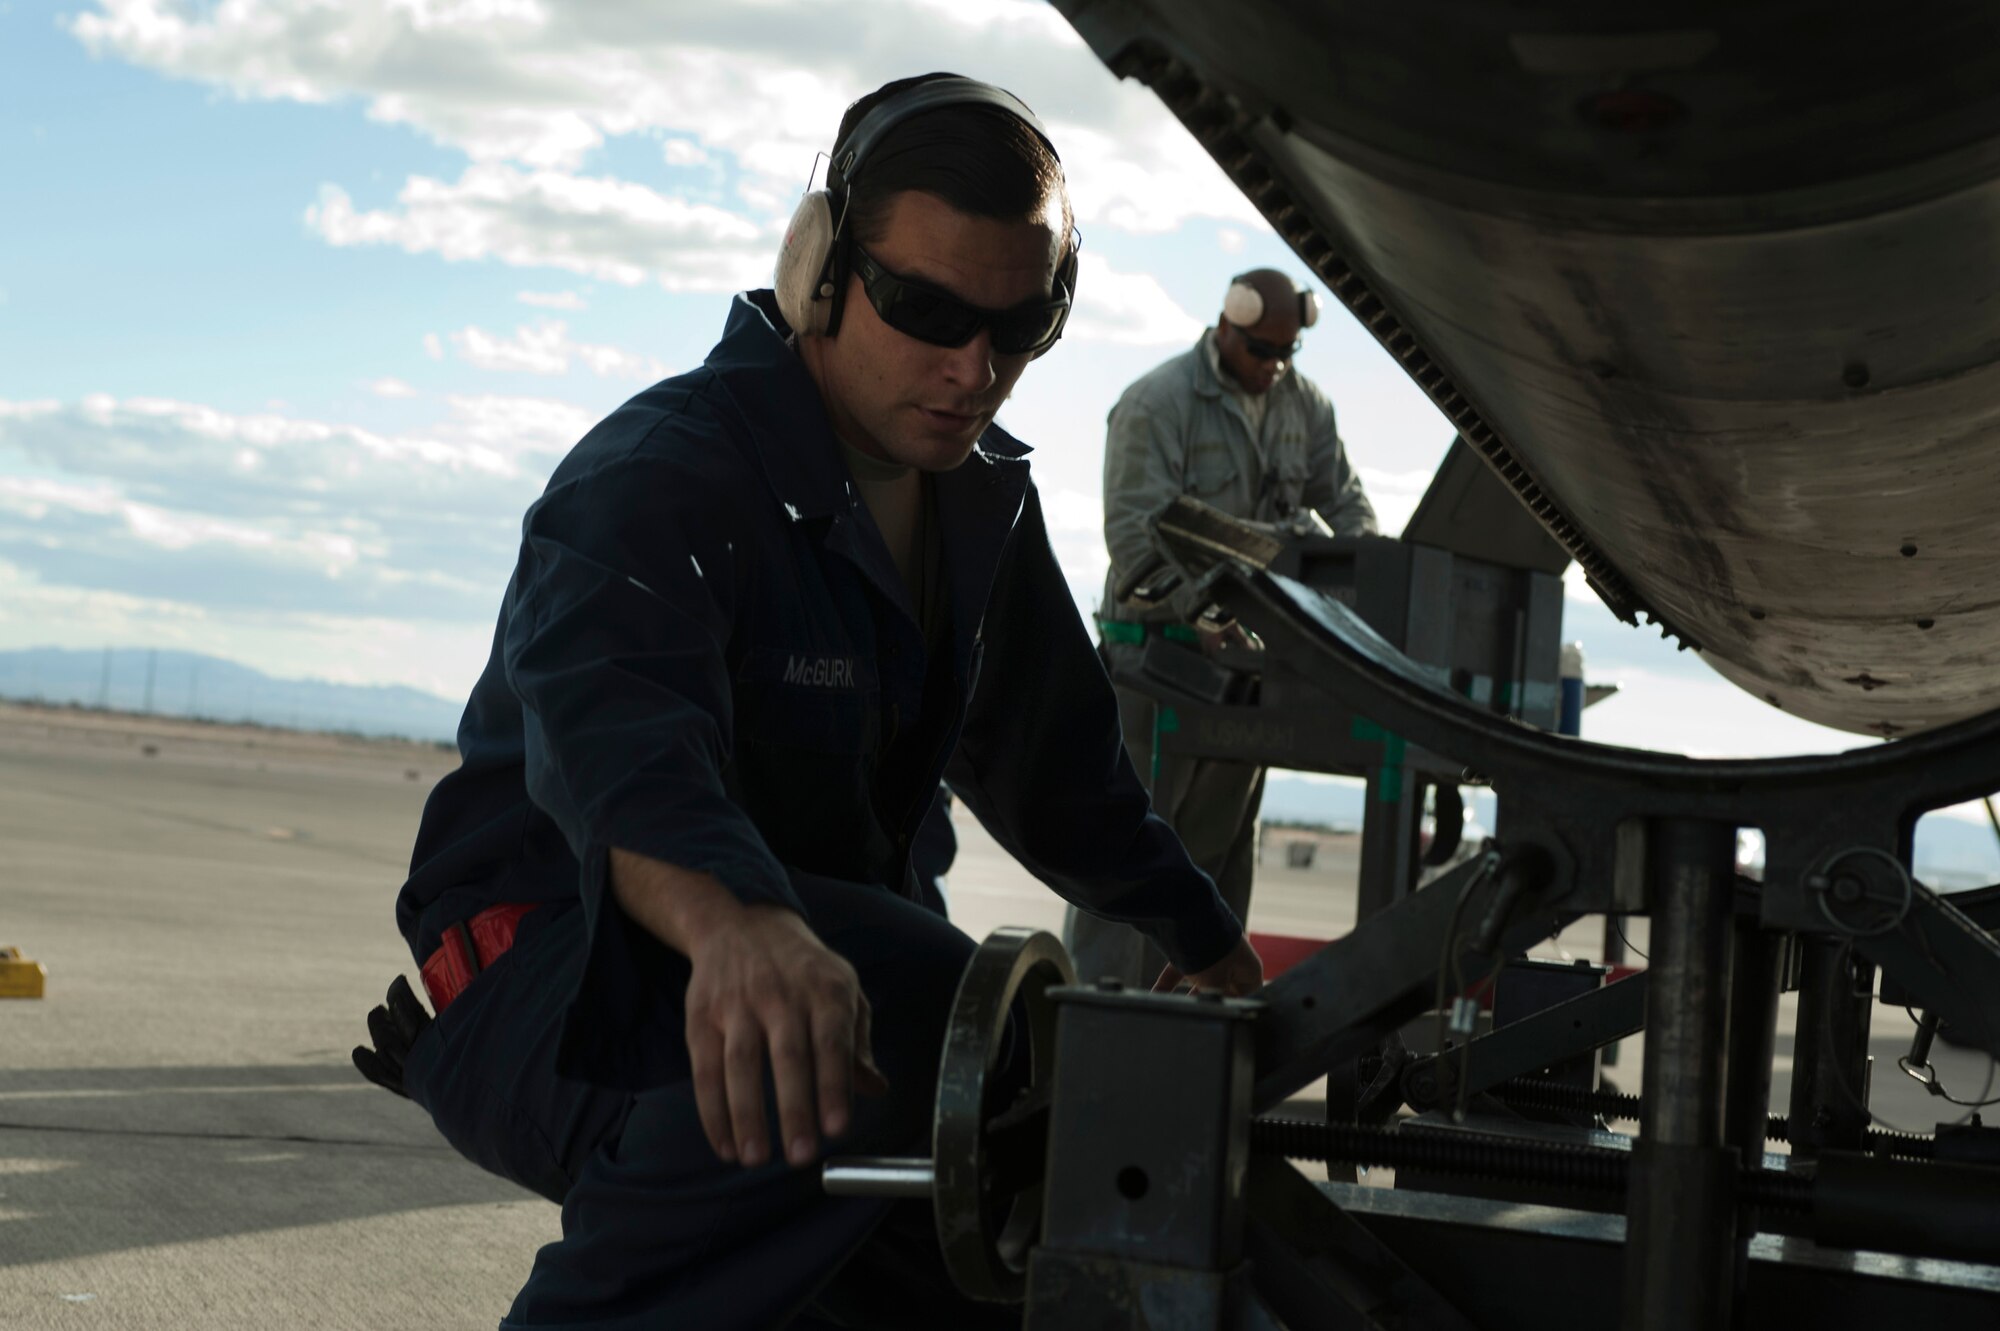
column 1560, row 1097
column 1553, row 1164
column 1563, row 1098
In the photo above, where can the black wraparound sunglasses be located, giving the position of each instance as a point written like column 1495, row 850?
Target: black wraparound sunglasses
column 931, row 314
column 1263, row 350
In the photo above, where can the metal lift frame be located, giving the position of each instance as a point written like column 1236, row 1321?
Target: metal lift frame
column 1584, row 828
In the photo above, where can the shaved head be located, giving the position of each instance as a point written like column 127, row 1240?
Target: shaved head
column 1245, row 348
column 1275, row 287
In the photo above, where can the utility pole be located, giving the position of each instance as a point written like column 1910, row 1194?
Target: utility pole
column 152, row 664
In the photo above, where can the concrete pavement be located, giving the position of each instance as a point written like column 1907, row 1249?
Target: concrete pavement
column 183, row 1142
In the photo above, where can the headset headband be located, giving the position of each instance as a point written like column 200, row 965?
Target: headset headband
column 812, row 265
column 850, row 154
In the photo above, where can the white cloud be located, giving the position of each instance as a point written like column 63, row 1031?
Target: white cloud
column 1068, row 510
column 1703, row 717
column 545, row 85
column 681, row 152
column 546, row 348
column 1146, row 176
column 161, row 499
column 608, row 362
column 1076, row 533
column 391, row 387
column 595, row 226
column 551, row 300
column 28, row 411
column 518, row 427
column 1394, row 495
column 537, row 350
column 1230, row 240
column 433, row 347
column 1128, row 308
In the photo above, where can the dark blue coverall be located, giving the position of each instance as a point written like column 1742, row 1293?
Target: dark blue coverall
column 705, row 655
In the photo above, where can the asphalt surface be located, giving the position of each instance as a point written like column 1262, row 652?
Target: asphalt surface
column 183, row 1142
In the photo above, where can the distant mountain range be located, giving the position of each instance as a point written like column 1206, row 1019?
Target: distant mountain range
column 209, row 688
column 1951, row 852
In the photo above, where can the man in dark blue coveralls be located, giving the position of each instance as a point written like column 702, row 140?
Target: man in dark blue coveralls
column 667, row 897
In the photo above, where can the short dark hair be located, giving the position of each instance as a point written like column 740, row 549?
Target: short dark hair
column 979, row 159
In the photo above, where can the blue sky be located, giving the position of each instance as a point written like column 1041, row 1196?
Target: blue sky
column 299, row 303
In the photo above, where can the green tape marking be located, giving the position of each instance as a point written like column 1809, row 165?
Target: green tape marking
column 1389, row 785
column 1132, row 632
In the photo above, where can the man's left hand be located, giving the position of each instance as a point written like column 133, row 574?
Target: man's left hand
column 1238, row 974
column 393, row 1028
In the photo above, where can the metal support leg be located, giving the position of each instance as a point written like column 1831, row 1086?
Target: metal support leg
column 1680, row 1249
column 1753, row 1035
column 1614, row 955
column 1753, row 1032
column 1830, row 1052
column 1389, row 827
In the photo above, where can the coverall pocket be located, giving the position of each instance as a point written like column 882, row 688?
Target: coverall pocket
column 1211, row 468
column 1290, row 481
column 467, row 1077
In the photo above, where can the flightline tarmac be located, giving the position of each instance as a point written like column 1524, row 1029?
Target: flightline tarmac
column 183, row 1141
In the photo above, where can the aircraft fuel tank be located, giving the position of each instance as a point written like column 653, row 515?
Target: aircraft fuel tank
column 1715, row 289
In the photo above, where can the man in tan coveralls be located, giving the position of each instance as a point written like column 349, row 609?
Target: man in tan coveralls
column 1229, row 423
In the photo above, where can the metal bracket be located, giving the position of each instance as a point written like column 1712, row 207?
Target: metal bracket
column 1578, row 1025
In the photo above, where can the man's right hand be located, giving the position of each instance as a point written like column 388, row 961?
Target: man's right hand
column 1238, row 974
column 764, row 989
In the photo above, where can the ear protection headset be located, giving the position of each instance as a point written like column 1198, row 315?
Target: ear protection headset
column 1243, row 305
column 811, row 278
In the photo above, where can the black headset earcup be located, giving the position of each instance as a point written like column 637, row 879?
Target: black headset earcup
column 1066, row 279
column 802, row 272
column 1308, row 308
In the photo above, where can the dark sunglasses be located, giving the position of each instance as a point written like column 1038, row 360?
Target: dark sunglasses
column 1263, row 350
column 929, row 314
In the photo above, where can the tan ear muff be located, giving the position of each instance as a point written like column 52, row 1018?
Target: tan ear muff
column 1242, row 305
column 801, row 284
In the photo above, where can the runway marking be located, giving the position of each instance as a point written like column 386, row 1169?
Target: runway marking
column 73, row 1129
column 30, row 1165
column 123, row 1092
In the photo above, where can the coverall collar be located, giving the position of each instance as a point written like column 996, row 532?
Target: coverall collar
column 789, row 435
column 789, row 430
column 1206, row 378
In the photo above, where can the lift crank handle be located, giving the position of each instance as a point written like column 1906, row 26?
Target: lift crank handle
column 878, row 1176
